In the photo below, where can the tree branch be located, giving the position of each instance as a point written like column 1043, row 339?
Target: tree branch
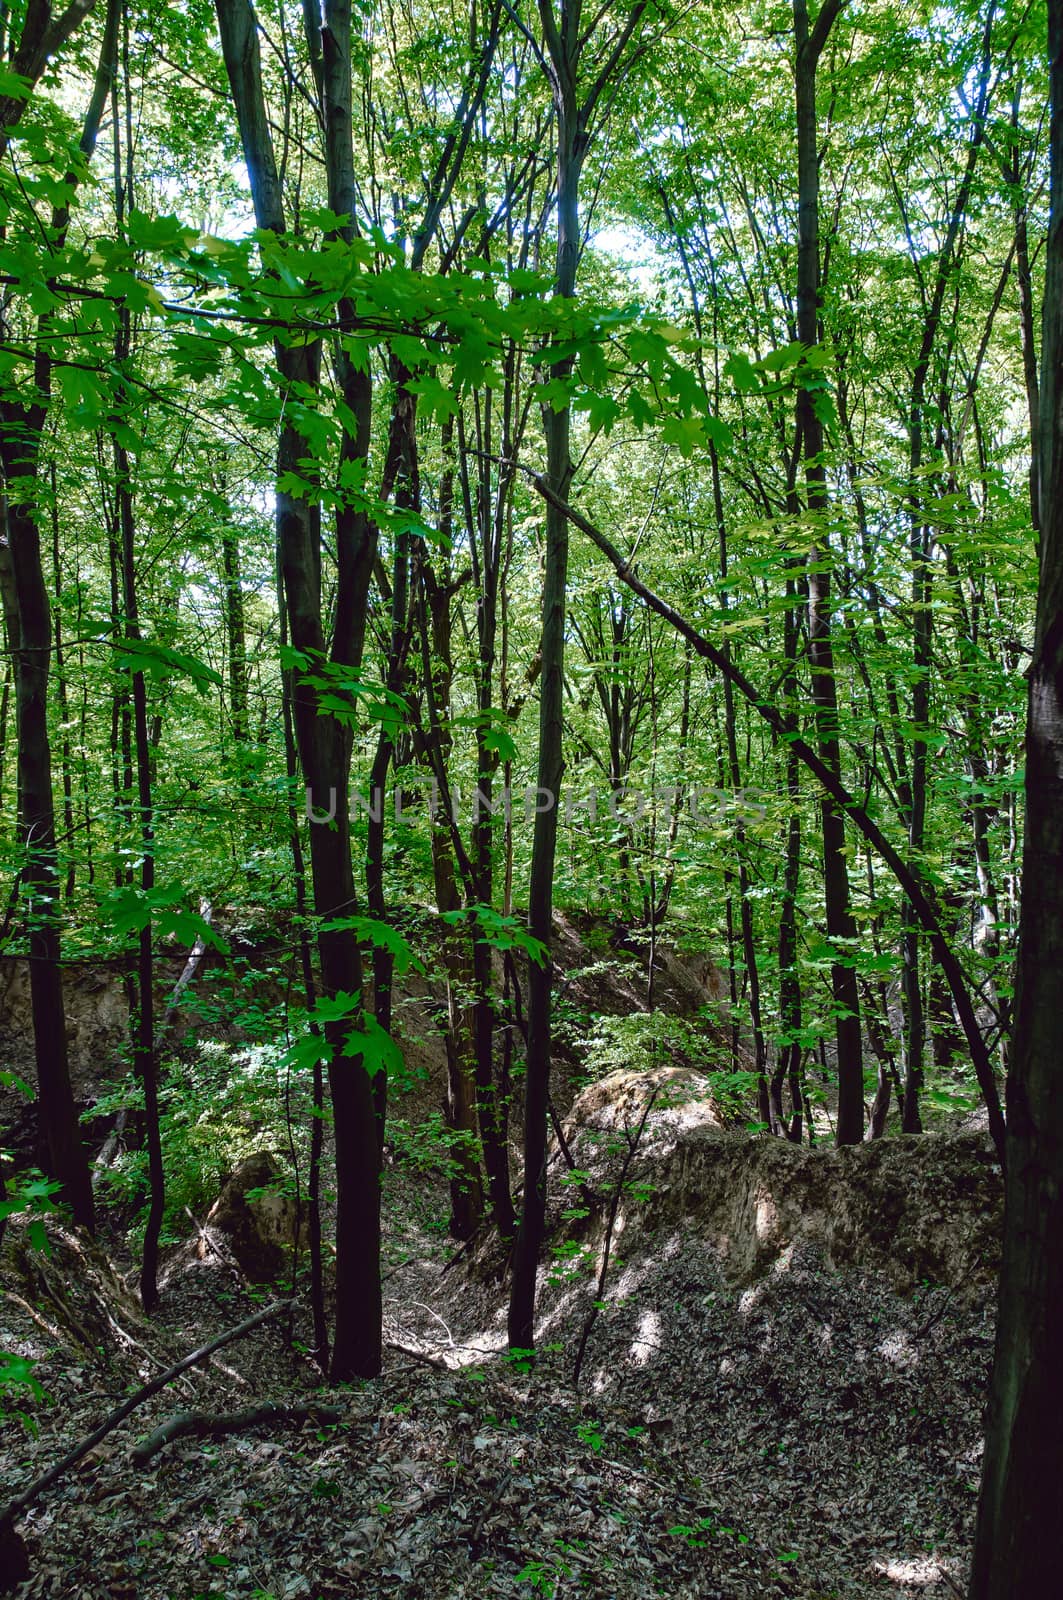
column 907, row 875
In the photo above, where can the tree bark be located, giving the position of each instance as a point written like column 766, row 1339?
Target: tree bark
column 841, row 928
column 1021, row 1503
column 67, row 1157
column 571, row 145
column 323, row 742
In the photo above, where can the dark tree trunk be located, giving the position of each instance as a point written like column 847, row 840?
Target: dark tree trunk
column 145, row 1064
column 788, row 1060
column 306, row 968
column 1021, row 1504
column 235, row 632
column 841, row 928
column 1019, row 180
column 65, row 769
column 571, row 144
column 323, row 742
column 67, row 1157
column 466, row 1188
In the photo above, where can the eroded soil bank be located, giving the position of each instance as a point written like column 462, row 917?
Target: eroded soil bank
column 782, row 1394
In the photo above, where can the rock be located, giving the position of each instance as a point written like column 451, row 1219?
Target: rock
column 257, row 1229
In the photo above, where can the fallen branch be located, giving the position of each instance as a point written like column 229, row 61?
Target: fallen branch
column 215, row 1425
column 14, row 1561
column 416, row 1355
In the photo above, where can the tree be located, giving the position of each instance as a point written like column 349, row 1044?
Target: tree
column 575, row 114
column 841, row 929
column 22, row 422
column 1021, row 1500
column 324, row 739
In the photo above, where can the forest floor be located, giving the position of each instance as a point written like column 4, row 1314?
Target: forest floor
column 781, row 1396
column 807, row 1432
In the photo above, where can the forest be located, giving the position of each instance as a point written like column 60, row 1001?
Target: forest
column 531, row 799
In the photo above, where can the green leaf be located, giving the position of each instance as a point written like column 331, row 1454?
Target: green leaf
column 303, row 1054
column 501, row 933
column 501, row 743
column 742, row 373
column 371, row 930
column 131, row 910
column 334, row 1008
column 38, row 1238
column 375, row 1046
column 783, row 359
column 160, row 661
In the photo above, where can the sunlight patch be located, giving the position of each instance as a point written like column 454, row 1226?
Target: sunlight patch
column 898, row 1350
column 767, row 1216
column 647, row 1340
column 918, row 1573
column 750, row 1300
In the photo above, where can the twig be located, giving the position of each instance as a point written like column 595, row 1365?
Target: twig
column 590, row 1200
column 936, row 1316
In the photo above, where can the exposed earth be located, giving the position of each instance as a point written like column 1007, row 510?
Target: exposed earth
column 785, row 1405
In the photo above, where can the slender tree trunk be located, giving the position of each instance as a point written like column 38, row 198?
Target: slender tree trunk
column 235, row 632
column 841, row 929
column 788, row 1059
column 466, row 1189
column 67, row 1157
column 306, row 968
column 489, row 524
column 61, row 694
column 571, row 145
column 1027, row 320
column 145, row 1064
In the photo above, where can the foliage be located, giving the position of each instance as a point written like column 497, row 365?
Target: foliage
column 216, row 1109
column 647, row 1039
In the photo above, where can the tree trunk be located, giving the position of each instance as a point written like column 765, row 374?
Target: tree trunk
column 571, row 144
column 788, row 1059
column 323, row 743
column 145, row 1064
column 235, row 632
column 67, row 1157
column 1021, row 1504
column 841, row 929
